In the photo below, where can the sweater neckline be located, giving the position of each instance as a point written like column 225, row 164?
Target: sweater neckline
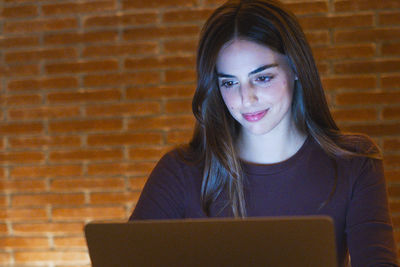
column 260, row 169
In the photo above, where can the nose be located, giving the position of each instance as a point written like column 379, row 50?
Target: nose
column 248, row 93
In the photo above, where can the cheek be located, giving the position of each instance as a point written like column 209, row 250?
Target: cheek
column 280, row 92
column 230, row 99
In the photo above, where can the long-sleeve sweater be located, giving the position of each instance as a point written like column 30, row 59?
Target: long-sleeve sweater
column 296, row 186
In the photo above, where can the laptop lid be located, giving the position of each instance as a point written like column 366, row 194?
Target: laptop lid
column 274, row 241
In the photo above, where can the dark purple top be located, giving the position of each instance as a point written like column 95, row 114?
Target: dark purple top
column 297, row 186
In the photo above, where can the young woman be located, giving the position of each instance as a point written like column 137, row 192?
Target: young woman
column 265, row 143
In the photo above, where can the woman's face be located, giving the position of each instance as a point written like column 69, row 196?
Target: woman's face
column 256, row 84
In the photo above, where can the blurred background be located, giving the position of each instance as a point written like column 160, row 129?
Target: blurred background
column 93, row 93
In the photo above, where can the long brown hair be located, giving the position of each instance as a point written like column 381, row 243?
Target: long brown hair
column 269, row 23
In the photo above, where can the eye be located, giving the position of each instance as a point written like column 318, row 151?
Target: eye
column 228, row 84
column 264, row 78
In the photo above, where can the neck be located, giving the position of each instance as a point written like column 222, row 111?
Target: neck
column 270, row 148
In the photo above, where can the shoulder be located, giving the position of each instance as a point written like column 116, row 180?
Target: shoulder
column 178, row 161
column 359, row 145
column 180, row 155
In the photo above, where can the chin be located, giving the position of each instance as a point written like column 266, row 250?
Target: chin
column 257, row 130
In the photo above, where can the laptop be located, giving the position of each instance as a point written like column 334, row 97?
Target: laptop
column 272, row 241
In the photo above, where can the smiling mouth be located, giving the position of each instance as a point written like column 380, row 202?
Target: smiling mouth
column 254, row 116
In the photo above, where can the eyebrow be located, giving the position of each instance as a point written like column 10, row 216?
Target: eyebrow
column 264, row 67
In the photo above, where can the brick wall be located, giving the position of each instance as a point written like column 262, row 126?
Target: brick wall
column 94, row 92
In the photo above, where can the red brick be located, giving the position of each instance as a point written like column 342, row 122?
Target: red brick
column 213, row 2
column 121, row 19
column 40, row 54
column 127, row 109
column 22, row 1
column 134, row 168
column 366, row 35
column 180, row 46
column 317, row 37
column 389, row 49
column 84, row 96
column 18, row 41
column 390, row 80
column 380, row 65
column 354, row 5
column 396, row 221
column 43, row 83
column 344, row 52
column 21, row 128
column 140, row 48
column 43, row 113
column 24, row 243
column 323, row 68
column 137, row 183
column 158, row 32
column 47, row 228
column 392, row 144
column 19, row 214
column 336, row 21
column 389, row 18
column 365, row 114
column 368, row 98
column 162, row 123
column 178, row 106
column 160, row 62
column 179, row 137
column 133, row 4
column 77, row 37
column 79, row 155
column 19, row 70
column 3, row 203
column 394, row 206
column 148, row 153
column 15, row 100
column 40, row 25
column 80, row 7
column 349, row 82
column 5, row 258
column 82, row 66
column 40, row 257
column 186, row 15
column 22, row 186
column 124, row 139
column 70, row 242
column 306, row 7
column 173, row 76
column 374, row 129
column 172, row 91
column 21, row 157
column 134, row 78
column 45, row 171
column 85, row 125
column 391, row 113
column 79, row 184
column 391, row 160
column 47, row 199
column 19, row 11
column 392, row 176
column 3, row 228
column 44, row 141
column 97, row 213
column 114, row 198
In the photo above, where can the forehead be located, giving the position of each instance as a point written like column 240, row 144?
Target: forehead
column 245, row 56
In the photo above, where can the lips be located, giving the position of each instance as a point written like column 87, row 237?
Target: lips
column 254, row 116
